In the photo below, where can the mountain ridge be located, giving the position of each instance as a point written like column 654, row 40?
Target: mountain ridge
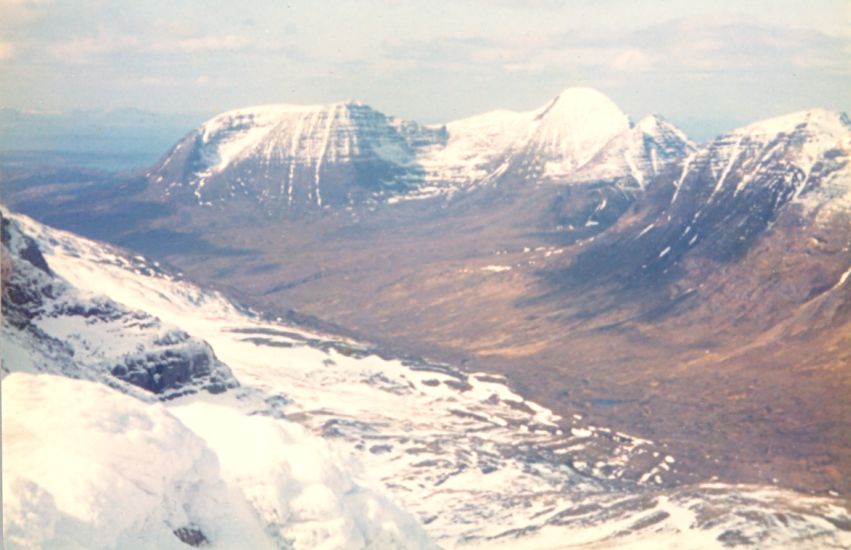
column 292, row 156
column 714, row 289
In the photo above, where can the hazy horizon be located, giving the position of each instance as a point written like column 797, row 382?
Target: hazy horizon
column 707, row 68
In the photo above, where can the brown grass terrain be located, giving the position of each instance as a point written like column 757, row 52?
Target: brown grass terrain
column 747, row 379
column 742, row 368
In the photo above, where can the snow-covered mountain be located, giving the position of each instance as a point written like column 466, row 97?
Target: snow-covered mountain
column 296, row 156
column 580, row 136
column 551, row 142
column 798, row 154
column 749, row 236
column 50, row 326
column 638, row 154
column 286, row 156
column 730, row 192
column 324, row 443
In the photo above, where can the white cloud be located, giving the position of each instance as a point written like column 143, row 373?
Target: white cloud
column 89, row 48
column 728, row 47
column 161, row 81
column 86, row 48
column 733, row 47
column 182, row 81
column 6, row 50
column 633, row 60
column 208, row 43
column 18, row 12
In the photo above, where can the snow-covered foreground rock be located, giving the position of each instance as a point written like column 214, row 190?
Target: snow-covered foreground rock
column 98, row 463
column 85, row 466
column 50, row 326
column 325, row 443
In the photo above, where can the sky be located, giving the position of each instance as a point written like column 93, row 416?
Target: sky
column 706, row 66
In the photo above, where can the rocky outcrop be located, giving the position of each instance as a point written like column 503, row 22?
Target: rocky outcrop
column 49, row 326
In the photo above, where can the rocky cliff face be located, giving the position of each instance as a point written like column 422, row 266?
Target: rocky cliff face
column 49, row 326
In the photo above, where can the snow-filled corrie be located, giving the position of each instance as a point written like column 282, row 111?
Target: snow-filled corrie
column 350, row 439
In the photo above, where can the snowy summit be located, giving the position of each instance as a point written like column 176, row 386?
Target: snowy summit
column 290, row 156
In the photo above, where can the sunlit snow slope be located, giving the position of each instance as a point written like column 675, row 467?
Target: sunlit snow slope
column 325, row 443
column 293, row 156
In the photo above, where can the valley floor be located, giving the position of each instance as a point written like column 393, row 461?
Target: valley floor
column 327, row 443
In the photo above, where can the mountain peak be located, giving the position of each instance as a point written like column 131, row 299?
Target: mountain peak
column 814, row 121
column 651, row 122
column 284, row 155
column 573, row 127
column 272, row 111
column 655, row 125
column 641, row 152
column 581, row 101
column 351, row 103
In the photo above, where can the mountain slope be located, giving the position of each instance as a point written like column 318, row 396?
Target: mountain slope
column 640, row 153
column 87, row 466
column 286, row 156
column 478, row 464
column 567, row 133
column 743, row 187
column 679, row 298
column 49, row 326
column 292, row 158
column 140, row 476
